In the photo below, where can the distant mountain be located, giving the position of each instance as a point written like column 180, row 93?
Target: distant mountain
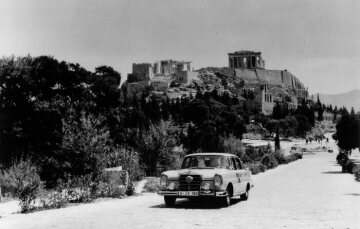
column 347, row 99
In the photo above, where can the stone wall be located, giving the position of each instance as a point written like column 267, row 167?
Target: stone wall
column 272, row 77
column 159, row 85
column 246, row 74
column 142, row 71
column 186, row 77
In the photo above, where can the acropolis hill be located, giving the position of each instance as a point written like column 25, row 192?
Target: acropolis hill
column 246, row 73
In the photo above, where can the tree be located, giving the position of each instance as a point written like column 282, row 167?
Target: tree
column 85, row 143
column 277, row 114
column 352, row 112
column 156, row 147
column 348, row 132
column 277, row 139
column 234, row 146
column 105, row 85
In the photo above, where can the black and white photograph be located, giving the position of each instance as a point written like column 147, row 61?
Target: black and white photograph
column 151, row 114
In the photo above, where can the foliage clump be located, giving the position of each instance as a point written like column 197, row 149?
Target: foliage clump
column 25, row 181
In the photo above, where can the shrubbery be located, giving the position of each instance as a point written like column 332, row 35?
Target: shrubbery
column 152, row 184
column 269, row 161
column 256, row 168
column 78, row 189
column 293, row 157
column 347, row 165
column 357, row 173
column 234, row 146
column 280, row 157
column 341, row 158
column 24, row 180
column 272, row 160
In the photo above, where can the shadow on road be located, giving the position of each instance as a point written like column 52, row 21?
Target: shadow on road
column 333, row 172
column 353, row 194
column 197, row 204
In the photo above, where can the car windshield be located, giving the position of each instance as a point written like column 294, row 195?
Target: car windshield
column 205, row 162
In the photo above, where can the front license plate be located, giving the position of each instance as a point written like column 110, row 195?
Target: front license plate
column 188, row 193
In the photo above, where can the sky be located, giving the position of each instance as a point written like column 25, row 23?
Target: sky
column 317, row 40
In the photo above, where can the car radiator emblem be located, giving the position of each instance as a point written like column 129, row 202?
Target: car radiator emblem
column 189, row 179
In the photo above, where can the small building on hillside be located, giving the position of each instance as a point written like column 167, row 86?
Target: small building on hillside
column 267, row 102
column 141, row 72
column 171, row 67
column 246, row 59
column 186, row 77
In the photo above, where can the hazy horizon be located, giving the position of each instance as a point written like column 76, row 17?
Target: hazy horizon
column 318, row 41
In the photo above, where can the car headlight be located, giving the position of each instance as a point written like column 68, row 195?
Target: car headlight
column 205, row 185
column 164, row 180
column 218, row 180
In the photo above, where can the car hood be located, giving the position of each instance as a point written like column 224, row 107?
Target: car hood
column 205, row 173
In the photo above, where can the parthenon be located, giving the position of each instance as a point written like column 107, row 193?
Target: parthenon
column 246, row 59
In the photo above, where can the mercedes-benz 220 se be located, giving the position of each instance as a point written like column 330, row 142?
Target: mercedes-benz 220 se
column 203, row 175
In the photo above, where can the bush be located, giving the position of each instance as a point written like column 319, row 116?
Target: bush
column 111, row 189
column 252, row 136
column 52, row 199
column 348, row 166
column 298, row 155
column 262, row 168
column 280, row 157
column 269, row 161
column 152, row 184
column 23, row 177
column 341, row 158
column 256, row 168
column 357, row 173
column 78, row 189
column 234, row 146
column 246, row 158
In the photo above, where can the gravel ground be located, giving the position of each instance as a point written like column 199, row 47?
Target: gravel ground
column 308, row 193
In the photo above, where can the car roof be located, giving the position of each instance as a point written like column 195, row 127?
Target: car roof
column 211, row 153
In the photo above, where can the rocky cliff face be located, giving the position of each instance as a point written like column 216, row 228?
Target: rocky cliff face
column 282, row 85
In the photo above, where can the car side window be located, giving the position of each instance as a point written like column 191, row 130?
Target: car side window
column 232, row 163
column 238, row 163
column 225, row 161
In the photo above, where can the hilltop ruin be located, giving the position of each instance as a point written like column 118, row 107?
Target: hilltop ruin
column 245, row 77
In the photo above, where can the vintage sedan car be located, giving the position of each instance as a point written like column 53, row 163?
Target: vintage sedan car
column 205, row 175
column 297, row 149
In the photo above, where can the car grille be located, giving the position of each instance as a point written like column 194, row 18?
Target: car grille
column 194, row 185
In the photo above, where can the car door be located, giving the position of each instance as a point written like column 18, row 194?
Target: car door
column 242, row 174
column 236, row 176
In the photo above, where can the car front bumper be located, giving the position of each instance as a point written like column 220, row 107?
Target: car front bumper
column 200, row 194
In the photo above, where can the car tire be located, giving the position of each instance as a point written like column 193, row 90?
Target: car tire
column 169, row 201
column 245, row 196
column 226, row 201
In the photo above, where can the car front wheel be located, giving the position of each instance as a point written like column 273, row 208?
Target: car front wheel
column 169, row 201
column 245, row 196
column 225, row 201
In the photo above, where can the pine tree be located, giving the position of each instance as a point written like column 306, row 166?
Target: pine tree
column 352, row 112
column 165, row 109
column 277, row 138
column 277, row 113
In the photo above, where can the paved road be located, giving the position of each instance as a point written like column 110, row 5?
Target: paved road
column 309, row 193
